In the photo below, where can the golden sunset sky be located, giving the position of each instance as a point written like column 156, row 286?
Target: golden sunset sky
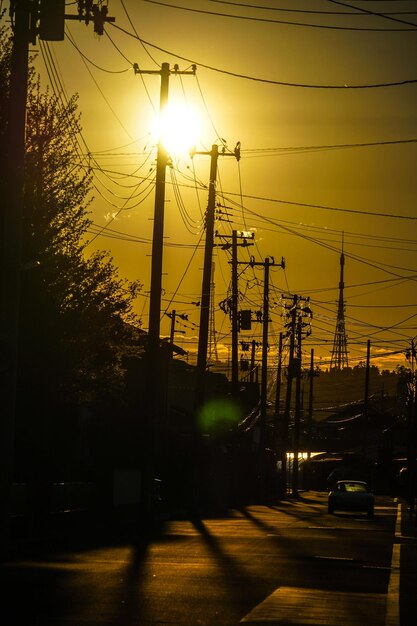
column 323, row 98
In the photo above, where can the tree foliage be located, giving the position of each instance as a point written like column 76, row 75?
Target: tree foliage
column 76, row 311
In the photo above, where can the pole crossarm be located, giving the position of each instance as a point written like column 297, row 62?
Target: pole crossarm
column 269, row 260
column 240, row 234
column 175, row 70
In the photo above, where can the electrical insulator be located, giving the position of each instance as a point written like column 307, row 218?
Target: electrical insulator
column 52, row 20
column 99, row 17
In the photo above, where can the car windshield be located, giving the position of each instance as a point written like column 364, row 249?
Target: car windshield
column 353, row 487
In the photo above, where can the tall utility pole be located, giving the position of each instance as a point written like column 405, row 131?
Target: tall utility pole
column 207, row 268
column 297, row 412
column 232, row 303
column 158, row 224
column 10, row 229
column 212, row 348
column 235, row 320
column 278, row 394
column 366, row 400
column 29, row 20
column 310, row 404
column 290, row 375
column 154, row 378
column 269, row 262
column 252, row 377
column 297, row 311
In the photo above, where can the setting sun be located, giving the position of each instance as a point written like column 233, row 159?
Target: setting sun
column 178, row 128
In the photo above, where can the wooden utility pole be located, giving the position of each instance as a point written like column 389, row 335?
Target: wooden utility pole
column 29, row 19
column 206, row 284
column 310, row 417
column 297, row 412
column 288, row 390
column 158, row 229
column 252, row 363
column 269, row 262
column 265, row 348
column 296, row 312
column 171, row 334
column 207, row 269
column 235, row 320
column 233, row 307
column 366, row 401
column 10, row 229
column 278, row 396
column 155, row 382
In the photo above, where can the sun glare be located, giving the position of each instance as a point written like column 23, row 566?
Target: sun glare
column 178, row 129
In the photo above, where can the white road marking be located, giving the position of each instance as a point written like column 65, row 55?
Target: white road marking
column 398, row 522
column 334, row 558
column 392, row 615
column 308, row 607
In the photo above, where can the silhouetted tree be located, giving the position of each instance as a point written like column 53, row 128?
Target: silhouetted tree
column 76, row 312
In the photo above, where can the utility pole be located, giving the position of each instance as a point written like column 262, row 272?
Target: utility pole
column 212, row 349
column 310, row 415
column 297, row 412
column 252, row 362
column 235, row 321
column 231, row 306
column 11, row 222
column 207, row 269
column 269, row 262
column 158, row 223
column 366, row 401
column 411, row 425
column 29, row 19
column 154, row 378
column 278, row 394
column 172, row 315
column 290, row 375
column 298, row 310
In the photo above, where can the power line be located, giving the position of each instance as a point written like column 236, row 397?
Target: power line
column 266, row 80
column 136, row 34
column 327, row 208
column 312, row 12
column 324, row 147
column 283, row 22
column 102, row 69
column 367, row 12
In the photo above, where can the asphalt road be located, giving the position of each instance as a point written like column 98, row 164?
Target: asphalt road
column 286, row 564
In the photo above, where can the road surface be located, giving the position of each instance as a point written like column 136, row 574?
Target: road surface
column 289, row 564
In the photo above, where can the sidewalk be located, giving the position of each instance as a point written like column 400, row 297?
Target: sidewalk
column 406, row 536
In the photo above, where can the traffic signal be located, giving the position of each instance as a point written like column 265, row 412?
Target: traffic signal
column 52, row 20
column 245, row 319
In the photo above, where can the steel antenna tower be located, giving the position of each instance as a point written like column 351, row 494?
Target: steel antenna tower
column 339, row 358
column 212, row 324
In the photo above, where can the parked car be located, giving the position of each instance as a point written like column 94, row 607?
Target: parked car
column 351, row 495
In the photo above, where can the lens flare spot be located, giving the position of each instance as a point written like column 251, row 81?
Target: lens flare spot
column 219, row 415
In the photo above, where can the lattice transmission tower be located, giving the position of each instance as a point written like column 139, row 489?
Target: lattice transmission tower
column 339, row 358
column 212, row 342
